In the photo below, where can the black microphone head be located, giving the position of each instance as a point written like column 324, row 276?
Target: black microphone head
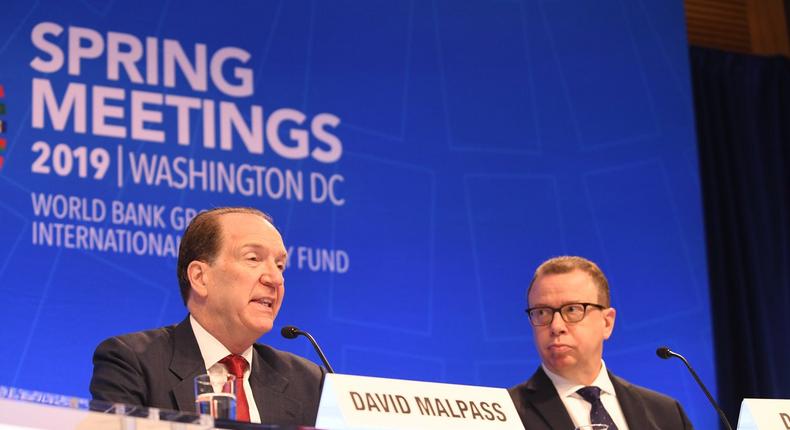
column 664, row 352
column 289, row 332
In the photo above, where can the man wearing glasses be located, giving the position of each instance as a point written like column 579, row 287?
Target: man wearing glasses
column 571, row 316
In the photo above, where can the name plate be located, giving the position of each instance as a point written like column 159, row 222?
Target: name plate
column 764, row 414
column 362, row 402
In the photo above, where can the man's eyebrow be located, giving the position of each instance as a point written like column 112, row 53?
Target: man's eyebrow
column 570, row 302
column 258, row 246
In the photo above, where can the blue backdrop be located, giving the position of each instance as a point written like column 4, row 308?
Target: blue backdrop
column 420, row 157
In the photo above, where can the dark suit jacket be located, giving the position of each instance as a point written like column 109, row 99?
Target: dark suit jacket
column 156, row 368
column 540, row 407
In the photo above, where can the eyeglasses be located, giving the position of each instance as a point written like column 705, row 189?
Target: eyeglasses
column 571, row 313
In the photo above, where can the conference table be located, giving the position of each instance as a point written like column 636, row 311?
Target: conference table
column 26, row 409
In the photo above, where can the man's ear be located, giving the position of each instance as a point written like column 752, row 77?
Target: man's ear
column 609, row 315
column 197, row 272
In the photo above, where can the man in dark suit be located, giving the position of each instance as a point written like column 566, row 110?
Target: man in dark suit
column 230, row 272
column 571, row 316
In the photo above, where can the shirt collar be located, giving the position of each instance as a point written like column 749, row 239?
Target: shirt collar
column 567, row 388
column 212, row 349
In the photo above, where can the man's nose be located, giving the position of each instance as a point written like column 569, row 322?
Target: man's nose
column 557, row 324
column 272, row 276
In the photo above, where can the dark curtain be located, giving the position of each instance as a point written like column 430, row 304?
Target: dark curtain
column 742, row 106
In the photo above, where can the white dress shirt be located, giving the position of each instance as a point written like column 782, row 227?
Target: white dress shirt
column 578, row 408
column 213, row 351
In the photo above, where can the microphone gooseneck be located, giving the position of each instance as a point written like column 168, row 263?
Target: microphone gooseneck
column 291, row 332
column 666, row 353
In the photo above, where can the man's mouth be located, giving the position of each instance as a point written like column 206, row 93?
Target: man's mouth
column 558, row 347
column 266, row 302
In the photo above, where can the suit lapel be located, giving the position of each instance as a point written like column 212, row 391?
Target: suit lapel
column 267, row 384
column 543, row 397
column 187, row 363
column 268, row 387
column 634, row 410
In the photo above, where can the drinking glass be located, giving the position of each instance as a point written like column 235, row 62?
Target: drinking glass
column 215, row 395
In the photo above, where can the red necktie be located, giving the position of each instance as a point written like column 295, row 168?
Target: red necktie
column 236, row 365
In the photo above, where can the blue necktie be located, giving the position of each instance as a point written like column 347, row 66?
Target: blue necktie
column 598, row 414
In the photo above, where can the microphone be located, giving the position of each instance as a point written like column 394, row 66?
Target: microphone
column 666, row 353
column 291, row 332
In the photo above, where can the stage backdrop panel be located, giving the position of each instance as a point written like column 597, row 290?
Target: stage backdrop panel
column 421, row 158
